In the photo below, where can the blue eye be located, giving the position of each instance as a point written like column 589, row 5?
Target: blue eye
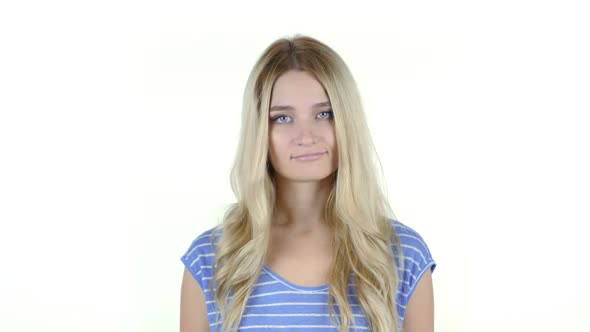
column 322, row 115
column 275, row 119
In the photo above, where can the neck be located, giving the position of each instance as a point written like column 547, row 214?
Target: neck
column 301, row 205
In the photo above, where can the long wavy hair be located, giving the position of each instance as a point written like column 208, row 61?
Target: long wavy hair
column 357, row 209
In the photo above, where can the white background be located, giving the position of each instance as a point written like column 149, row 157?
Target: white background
column 119, row 121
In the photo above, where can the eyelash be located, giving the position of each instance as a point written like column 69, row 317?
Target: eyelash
column 281, row 115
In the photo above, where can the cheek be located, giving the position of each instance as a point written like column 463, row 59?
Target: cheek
column 276, row 143
column 330, row 136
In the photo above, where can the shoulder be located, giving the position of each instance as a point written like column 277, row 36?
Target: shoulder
column 411, row 241
column 417, row 259
column 199, row 257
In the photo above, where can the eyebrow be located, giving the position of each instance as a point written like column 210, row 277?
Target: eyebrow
column 290, row 108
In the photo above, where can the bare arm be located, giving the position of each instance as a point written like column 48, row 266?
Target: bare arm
column 420, row 309
column 193, row 308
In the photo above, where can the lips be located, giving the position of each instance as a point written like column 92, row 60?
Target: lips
column 310, row 154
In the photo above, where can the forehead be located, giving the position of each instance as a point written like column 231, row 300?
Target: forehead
column 297, row 86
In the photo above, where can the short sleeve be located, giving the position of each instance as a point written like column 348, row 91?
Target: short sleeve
column 417, row 260
column 199, row 259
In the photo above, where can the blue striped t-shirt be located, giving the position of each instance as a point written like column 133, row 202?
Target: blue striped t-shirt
column 279, row 305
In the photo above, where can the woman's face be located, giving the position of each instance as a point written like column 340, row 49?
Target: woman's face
column 301, row 122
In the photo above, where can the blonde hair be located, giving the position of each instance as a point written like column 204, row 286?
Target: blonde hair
column 357, row 208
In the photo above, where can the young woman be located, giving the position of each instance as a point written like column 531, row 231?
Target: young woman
column 312, row 243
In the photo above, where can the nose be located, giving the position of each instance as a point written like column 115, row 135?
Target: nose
column 305, row 135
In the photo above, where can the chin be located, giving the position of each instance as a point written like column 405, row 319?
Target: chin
column 307, row 179
column 307, row 176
